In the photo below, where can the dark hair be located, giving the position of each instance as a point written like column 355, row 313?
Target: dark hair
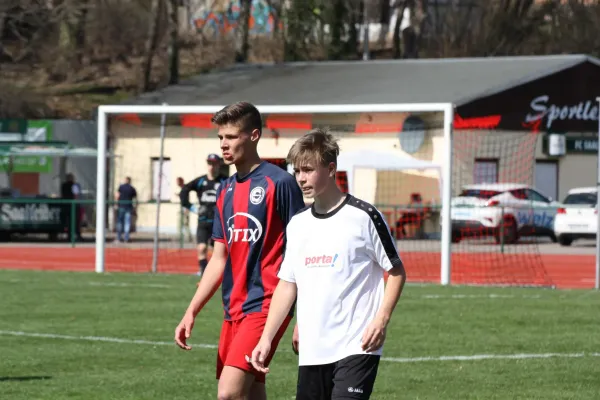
column 245, row 116
column 318, row 145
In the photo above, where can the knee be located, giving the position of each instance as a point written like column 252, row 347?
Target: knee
column 202, row 248
column 227, row 394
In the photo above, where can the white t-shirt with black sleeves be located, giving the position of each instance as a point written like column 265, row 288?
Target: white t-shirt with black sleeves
column 337, row 261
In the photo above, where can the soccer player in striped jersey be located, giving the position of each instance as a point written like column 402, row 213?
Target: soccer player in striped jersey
column 253, row 209
column 338, row 250
column 206, row 187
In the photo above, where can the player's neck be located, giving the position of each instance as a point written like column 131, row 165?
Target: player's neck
column 211, row 177
column 329, row 200
column 247, row 166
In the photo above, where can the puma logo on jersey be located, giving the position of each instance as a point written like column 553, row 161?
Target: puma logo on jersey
column 209, row 196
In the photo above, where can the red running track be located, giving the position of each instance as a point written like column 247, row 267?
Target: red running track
column 560, row 270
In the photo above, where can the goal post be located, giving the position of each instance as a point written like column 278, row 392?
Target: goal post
column 445, row 109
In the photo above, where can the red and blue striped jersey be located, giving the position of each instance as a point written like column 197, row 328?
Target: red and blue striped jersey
column 252, row 214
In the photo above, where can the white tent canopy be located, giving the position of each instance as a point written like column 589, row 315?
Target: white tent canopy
column 381, row 161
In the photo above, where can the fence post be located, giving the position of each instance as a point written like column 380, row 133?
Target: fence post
column 181, row 227
column 73, row 222
column 502, row 230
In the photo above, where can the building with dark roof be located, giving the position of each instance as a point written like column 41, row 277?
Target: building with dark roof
column 506, row 108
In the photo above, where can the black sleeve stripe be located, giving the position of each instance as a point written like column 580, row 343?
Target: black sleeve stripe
column 382, row 231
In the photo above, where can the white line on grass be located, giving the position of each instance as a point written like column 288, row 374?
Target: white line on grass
column 479, row 296
column 421, row 296
column 99, row 339
column 123, row 284
column 475, row 357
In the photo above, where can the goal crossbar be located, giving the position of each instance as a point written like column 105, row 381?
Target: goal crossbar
column 447, row 108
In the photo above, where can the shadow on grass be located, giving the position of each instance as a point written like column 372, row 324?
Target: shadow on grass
column 24, row 378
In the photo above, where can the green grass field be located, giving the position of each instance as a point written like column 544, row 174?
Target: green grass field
column 89, row 336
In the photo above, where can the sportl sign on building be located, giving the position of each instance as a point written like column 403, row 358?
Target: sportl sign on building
column 564, row 101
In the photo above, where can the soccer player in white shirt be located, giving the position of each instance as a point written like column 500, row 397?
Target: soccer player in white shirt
column 336, row 253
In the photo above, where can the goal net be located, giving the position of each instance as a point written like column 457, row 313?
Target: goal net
column 400, row 158
column 498, row 217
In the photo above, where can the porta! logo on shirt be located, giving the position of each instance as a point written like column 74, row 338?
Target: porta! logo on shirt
column 323, row 261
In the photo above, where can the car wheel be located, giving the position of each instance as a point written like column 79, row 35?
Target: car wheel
column 565, row 240
column 455, row 237
column 509, row 231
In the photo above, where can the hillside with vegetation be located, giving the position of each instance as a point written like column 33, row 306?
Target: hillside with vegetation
column 62, row 58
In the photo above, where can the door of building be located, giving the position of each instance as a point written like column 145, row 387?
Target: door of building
column 546, row 178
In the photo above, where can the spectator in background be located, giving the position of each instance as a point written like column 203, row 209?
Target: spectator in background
column 125, row 209
column 71, row 190
column 184, row 215
column 206, row 187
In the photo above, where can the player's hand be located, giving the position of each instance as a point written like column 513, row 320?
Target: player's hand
column 259, row 355
column 374, row 336
column 184, row 331
column 296, row 340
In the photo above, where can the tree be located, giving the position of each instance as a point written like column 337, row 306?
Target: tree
column 151, row 42
column 494, row 28
column 174, row 42
column 242, row 32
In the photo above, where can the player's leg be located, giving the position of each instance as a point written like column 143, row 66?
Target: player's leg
column 188, row 230
column 234, row 383
column 203, row 235
column 238, row 375
column 127, row 224
column 258, row 391
column 120, row 222
column 315, row 382
column 354, row 377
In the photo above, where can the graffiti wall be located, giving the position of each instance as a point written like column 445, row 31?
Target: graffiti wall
column 222, row 17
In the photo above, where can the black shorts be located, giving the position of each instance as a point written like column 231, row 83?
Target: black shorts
column 352, row 377
column 204, row 233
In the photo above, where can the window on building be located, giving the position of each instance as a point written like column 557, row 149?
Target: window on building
column 164, row 179
column 485, row 171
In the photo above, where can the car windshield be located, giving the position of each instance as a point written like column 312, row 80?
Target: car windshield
column 479, row 193
column 581, row 199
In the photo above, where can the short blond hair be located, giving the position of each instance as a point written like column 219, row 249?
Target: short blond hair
column 318, row 146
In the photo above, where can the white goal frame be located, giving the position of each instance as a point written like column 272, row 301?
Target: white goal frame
column 447, row 108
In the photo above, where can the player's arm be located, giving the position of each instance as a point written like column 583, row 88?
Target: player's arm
column 289, row 201
column 383, row 250
column 281, row 303
column 211, row 279
column 184, row 195
column 392, row 293
column 210, row 282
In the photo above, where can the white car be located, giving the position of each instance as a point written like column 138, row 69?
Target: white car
column 577, row 218
column 506, row 211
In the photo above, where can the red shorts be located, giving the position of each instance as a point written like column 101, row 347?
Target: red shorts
column 239, row 338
